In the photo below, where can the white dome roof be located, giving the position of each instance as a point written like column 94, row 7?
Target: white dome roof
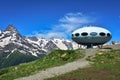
column 91, row 36
column 91, row 29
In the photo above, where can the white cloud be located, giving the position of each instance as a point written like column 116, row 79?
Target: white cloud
column 67, row 24
column 51, row 34
column 75, row 18
column 72, row 21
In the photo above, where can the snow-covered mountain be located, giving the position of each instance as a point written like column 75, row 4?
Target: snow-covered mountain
column 11, row 40
column 16, row 49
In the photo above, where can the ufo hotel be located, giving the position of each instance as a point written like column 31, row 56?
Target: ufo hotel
column 91, row 36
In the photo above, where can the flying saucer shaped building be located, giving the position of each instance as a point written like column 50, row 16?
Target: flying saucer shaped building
column 91, row 36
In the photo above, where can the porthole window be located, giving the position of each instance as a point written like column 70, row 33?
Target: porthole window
column 72, row 35
column 84, row 34
column 77, row 34
column 102, row 34
column 93, row 33
column 108, row 34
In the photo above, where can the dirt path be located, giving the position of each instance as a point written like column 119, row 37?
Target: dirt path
column 52, row 72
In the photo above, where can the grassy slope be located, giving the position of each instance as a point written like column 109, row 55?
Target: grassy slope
column 14, row 59
column 56, row 58
column 105, row 66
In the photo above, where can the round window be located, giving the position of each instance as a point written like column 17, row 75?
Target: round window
column 102, row 34
column 84, row 34
column 72, row 35
column 93, row 33
column 77, row 34
column 108, row 34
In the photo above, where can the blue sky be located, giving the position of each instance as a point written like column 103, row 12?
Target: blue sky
column 58, row 18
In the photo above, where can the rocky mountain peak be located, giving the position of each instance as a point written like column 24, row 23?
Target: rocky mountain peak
column 12, row 29
column 12, row 43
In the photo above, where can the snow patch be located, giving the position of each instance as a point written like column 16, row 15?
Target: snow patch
column 5, row 41
column 33, row 53
column 60, row 44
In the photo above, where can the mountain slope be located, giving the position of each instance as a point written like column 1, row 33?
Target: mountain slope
column 11, row 41
column 56, row 58
column 15, row 58
column 105, row 66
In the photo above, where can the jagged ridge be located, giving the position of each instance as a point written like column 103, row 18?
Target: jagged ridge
column 11, row 40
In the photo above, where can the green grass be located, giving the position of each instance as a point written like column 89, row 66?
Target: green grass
column 56, row 58
column 14, row 59
column 104, row 66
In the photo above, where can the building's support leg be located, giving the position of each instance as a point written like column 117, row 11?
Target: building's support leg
column 90, row 46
